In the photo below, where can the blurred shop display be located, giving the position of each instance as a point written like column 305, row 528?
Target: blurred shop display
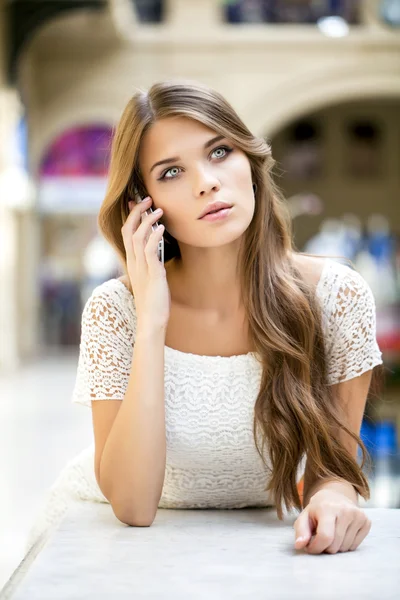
column 337, row 237
column 377, row 261
column 59, row 281
column 306, row 203
column 72, row 183
column 363, row 149
column 73, row 173
column 100, row 263
column 60, row 309
column 381, row 442
column 304, row 150
column 389, row 11
column 75, row 259
column 291, row 11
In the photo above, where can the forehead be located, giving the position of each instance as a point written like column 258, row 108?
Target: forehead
column 172, row 136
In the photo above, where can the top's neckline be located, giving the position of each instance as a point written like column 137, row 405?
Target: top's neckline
column 249, row 355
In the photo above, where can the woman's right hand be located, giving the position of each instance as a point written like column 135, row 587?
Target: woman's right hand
column 146, row 272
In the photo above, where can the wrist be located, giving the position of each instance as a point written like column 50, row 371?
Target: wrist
column 151, row 332
column 342, row 487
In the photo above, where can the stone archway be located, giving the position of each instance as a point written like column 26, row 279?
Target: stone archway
column 311, row 91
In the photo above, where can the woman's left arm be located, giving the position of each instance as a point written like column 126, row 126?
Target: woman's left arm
column 331, row 512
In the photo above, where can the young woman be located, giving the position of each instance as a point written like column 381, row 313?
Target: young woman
column 239, row 369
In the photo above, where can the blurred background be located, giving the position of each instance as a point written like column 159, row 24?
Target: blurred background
column 320, row 79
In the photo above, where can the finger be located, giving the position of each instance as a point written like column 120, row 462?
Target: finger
column 148, row 220
column 141, row 236
column 132, row 223
column 357, row 522
column 136, row 210
column 151, row 225
column 344, row 524
column 325, row 533
column 151, row 250
column 303, row 528
column 349, row 537
column 361, row 534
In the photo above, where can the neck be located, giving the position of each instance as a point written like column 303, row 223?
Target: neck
column 205, row 279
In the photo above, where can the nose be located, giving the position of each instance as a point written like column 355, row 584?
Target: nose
column 205, row 182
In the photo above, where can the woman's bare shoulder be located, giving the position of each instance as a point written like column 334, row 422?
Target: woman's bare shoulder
column 310, row 267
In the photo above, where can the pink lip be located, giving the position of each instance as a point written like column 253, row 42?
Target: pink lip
column 217, row 216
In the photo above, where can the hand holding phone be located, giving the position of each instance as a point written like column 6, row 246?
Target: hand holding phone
column 146, row 271
column 149, row 211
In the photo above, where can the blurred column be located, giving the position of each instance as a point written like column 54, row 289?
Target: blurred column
column 184, row 13
column 8, row 225
column 28, row 257
column 370, row 13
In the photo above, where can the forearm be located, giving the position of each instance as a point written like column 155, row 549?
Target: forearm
column 132, row 465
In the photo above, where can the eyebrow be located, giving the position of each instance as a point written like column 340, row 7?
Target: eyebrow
column 175, row 158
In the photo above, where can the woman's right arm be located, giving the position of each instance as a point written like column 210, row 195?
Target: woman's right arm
column 130, row 457
column 131, row 465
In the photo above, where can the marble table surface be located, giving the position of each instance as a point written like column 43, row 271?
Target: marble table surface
column 196, row 554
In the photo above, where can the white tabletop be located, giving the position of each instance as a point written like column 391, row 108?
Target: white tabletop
column 196, row 554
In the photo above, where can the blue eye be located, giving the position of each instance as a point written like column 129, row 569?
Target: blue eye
column 171, row 169
column 220, row 148
column 226, row 151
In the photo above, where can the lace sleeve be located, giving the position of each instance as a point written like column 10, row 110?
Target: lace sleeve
column 352, row 346
column 106, row 349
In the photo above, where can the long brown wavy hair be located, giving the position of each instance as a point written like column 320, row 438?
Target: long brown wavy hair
column 295, row 413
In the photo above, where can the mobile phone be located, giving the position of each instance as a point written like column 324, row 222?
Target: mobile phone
column 160, row 249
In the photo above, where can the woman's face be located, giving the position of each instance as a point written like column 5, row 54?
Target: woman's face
column 196, row 169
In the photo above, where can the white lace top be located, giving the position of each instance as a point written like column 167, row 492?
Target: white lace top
column 211, row 455
column 212, row 461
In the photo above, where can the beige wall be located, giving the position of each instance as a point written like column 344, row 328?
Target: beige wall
column 83, row 68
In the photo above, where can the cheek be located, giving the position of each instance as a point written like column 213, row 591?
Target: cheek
column 240, row 186
column 239, row 172
column 174, row 204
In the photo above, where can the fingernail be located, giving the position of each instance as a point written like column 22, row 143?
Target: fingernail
column 299, row 539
